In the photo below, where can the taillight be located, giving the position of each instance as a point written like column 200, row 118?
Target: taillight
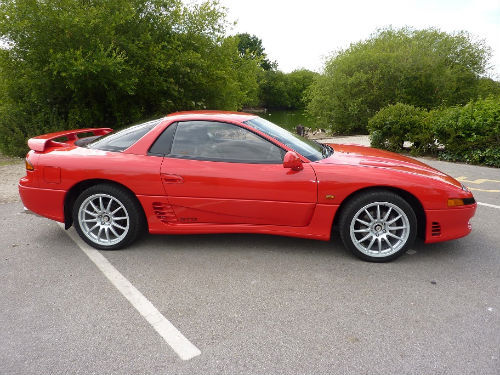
column 29, row 166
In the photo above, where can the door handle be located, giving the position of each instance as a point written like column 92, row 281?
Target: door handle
column 172, row 178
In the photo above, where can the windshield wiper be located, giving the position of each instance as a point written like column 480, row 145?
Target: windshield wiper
column 326, row 150
column 330, row 148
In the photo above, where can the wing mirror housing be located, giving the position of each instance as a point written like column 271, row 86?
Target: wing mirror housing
column 292, row 161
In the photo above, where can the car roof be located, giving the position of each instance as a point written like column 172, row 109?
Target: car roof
column 211, row 115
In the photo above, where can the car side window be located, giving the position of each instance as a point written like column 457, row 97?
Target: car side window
column 163, row 143
column 219, row 141
column 123, row 139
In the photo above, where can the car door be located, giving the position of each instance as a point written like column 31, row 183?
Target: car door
column 222, row 173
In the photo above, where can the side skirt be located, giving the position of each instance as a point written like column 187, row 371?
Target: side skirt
column 162, row 220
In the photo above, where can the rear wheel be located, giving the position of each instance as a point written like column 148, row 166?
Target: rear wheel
column 107, row 217
column 378, row 226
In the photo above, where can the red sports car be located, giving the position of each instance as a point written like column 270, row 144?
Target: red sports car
column 228, row 172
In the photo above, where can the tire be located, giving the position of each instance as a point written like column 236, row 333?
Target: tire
column 378, row 226
column 108, row 217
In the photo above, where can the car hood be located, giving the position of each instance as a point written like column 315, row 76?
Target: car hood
column 375, row 158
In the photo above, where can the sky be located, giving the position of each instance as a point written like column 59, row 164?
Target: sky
column 302, row 34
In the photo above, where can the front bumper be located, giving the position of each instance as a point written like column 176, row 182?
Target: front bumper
column 448, row 224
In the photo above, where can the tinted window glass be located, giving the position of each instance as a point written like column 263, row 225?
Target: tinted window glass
column 125, row 138
column 217, row 141
column 308, row 148
column 163, row 143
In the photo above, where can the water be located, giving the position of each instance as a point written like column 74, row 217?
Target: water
column 289, row 119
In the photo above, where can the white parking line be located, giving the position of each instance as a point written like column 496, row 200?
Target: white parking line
column 173, row 337
column 488, row 205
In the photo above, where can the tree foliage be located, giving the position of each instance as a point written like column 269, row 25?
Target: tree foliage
column 298, row 82
column 284, row 90
column 424, row 68
column 487, row 87
column 251, row 47
column 84, row 63
column 275, row 88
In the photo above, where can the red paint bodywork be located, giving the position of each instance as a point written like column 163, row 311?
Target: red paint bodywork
column 181, row 196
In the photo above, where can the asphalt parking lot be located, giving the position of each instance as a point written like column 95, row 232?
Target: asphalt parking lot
column 252, row 303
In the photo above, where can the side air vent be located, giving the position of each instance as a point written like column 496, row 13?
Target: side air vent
column 164, row 212
column 435, row 229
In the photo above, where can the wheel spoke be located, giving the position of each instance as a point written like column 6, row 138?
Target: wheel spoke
column 120, row 218
column 91, row 229
column 101, row 206
column 113, row 231
column 106, row 231
column 91, row 213
column 393, row 235
column 369, row 215
column 363, row 222
column 99, row 234
column 394, row 220
column 116, row 210
column 118, row 226
column 371, row 243
column 378, row 212
column 93, row 206
column 397, row 228
column 365, row 238
column 388, row 243
column 361, row 230
column 379, row 244
column 109, row 204
column 90, row 220
column 387, row 214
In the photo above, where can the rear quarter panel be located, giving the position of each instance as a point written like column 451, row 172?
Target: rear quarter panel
column 139, row 173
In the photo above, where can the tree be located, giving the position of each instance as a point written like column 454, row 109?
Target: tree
column 273, row 88
column 487, row 87
column 280, row 90
column 250, row 46
column 298, row 83
column 85, row 63
column 425, row 68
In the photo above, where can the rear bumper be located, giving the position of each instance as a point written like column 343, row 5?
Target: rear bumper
column 44, row 202
column 448, row 224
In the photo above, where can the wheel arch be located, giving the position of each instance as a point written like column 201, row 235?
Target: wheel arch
column 412, row 200
column 77, row 189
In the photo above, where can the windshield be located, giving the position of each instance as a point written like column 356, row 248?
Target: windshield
column 123, row 139
column 312, row 150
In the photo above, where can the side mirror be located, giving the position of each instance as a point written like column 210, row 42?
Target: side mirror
column 292, row 161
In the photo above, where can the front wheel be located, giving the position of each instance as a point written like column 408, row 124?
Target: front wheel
column 107, row 217
column 378, row 226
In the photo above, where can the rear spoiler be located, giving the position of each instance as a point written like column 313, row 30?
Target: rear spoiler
column 42, row 142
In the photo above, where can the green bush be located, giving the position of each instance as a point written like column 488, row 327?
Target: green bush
column 395, row 124
column 470, row 133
